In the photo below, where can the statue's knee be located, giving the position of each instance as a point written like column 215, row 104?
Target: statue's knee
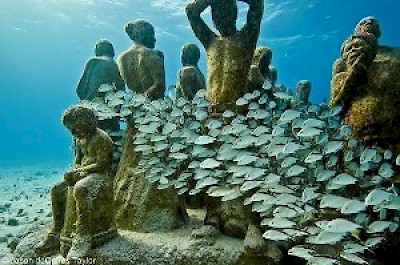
column 58, row 190
column 80, row 190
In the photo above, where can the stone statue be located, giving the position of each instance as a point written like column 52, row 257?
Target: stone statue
column 142, row 66
column 303, row 90
column 229, row 54
column 190, row 78
column 259, row 69
column 366, row 80
column 82, row 203
column 100, row 69
column 357, row 53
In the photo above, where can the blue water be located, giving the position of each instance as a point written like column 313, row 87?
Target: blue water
column 44, row 45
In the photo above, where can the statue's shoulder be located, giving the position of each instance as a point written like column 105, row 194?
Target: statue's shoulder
column 103, row 138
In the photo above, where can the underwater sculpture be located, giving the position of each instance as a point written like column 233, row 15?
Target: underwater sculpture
column 142, row 60
column 101, row 72
column 357, row 53
column 259, row 70
column 303, row 90
column 82, row 203
column 366, row 80
column 190, row 78
column 100, row 69
column 140, row 206
column 229, row 54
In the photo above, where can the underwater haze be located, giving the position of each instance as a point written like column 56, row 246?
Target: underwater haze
column 44, row 45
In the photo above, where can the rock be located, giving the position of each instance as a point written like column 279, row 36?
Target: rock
column 12, row 243
column 3, row 239
column 12, row 222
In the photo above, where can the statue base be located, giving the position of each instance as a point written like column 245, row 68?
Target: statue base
column 193, row 244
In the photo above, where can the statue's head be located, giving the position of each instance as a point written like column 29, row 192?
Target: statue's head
column 356, row 48
column 224, row 14
column 190, row 54
column 141, row 32
column 104, row 48
column 262, row 59
column 370, row 25
column 303, row 90
column 80, row 120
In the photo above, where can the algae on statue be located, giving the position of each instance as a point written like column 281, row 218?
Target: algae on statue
column 366, row 80
column 82, row 203
column 142, row 66
column 190, row 78
column 140, row 205
column 229, row 54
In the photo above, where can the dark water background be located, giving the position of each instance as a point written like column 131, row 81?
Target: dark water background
column 44, row 45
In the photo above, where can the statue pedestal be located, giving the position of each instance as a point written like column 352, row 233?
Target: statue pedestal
column 181, row 246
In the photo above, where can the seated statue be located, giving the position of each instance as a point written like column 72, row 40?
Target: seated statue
column 100, row 69
column 190, row 78
column 259, row 70
column 357, row 54
column 142, row 66
column 229, row 54
column 82, row 203
column 366, row 81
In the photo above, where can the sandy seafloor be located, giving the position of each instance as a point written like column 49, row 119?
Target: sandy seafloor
column 24, row 199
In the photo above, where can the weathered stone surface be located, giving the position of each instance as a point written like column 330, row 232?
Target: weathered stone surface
column 142, row 66
column 100, row 69
column 140, row 206
column 259, row 69
column 190, row 78
column 184, row 246
column 229, row 55
column 374, row 113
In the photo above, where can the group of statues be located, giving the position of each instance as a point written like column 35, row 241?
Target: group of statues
column 83, row 203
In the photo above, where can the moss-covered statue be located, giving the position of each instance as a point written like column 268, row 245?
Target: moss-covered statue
column 82, row 203
column 357, row 53
column 229, row 55
column 366, row 81
column 142, row 66
column 100, row 69
column 140, row 206
column 190, row 78
column 259, row 70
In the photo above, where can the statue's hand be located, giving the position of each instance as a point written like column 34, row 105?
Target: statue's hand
column 69, row 178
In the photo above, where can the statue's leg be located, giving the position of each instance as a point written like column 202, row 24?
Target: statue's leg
column 94, row 213
column 58, row 204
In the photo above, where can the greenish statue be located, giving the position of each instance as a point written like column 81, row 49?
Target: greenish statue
column 229, row 55
column 100, row 69
column 259, row 69
column 357, row 54
column 82, row 203
column 142, row 66
column 190, row 78
column 303, row 90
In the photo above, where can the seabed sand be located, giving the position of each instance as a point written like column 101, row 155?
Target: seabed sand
column 24, row 199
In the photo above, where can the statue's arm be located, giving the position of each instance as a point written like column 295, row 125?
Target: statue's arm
column 158, row 76
column 102, row 156
column 122, row 66
column 200, row 28
column 254, row 17
column 81, row 88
